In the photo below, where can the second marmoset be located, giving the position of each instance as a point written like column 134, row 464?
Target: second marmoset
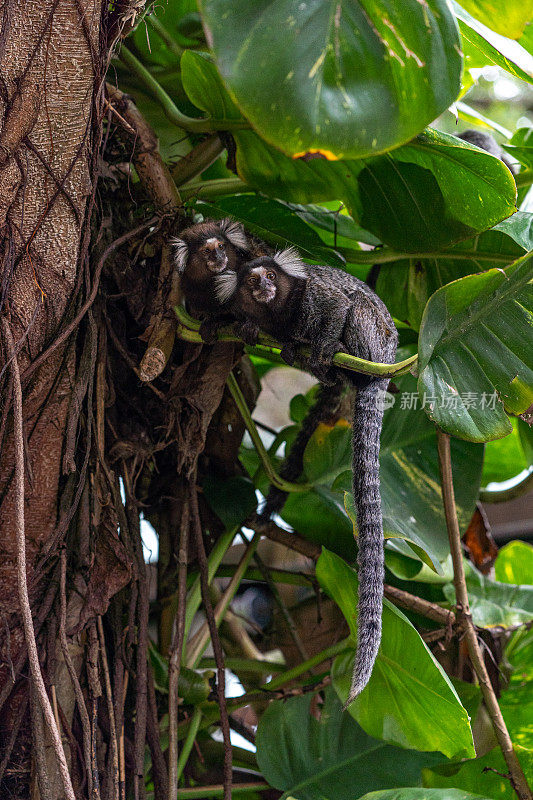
column 329, row 311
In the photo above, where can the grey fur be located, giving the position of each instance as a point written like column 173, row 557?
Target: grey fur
column 487, row 142
column 333, row 311
column 290, row 262
column 181, row 253
column 234, row 232
column 225, row 285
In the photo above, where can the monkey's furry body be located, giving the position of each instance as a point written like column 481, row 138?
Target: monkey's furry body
column 331, row 311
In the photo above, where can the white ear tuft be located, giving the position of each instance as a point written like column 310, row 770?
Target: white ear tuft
column 234, row 232
column 181, row 253
column 290, row 262
column 225, row 285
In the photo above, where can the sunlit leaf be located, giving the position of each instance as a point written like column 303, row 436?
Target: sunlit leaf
column 344, row 80
column 476, row 350
column 409, row 700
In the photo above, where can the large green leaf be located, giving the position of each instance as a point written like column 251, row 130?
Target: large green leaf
column 202, row 83
column 406, row 285
column 346, row 79
column 328, row 757
column 273, row 222
column 493, row 603
column 423, row 794
column 423, row 196
column 476, row 352
column 514, row 564
column 508, row 457
column 506, row 17
column 487, row 774
column 409, row 700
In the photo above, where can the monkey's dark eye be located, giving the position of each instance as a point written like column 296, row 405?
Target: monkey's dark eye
column 220, row 246
column 253, row 280
column 271, row 276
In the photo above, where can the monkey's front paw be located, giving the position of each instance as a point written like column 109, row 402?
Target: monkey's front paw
column 248, row 332
column 288, row 354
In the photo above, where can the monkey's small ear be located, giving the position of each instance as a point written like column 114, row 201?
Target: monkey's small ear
column 234, row 232
column 181, row 253
column 290, row 262
column 225, row 285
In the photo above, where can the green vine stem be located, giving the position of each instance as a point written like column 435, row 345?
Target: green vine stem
column 384, row 255
column 194, row 595
column 189, row 741
column 188, row 329
column 218, row 187
column 244, row 411
column 200, row 640
column 171, row 111
column 156, row 25
column 216, row 790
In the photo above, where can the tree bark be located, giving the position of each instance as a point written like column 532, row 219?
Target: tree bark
column 52, row 58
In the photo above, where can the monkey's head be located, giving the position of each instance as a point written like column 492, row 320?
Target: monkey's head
column 262, row 283
column 207, row 249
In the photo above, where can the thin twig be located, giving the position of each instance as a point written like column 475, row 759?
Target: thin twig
column 215, row 641
column 80, row 700
column 516, row 774
column 286, row 614
column 176, row 653
column 199, row 641
column 159, row 765
column 24, row 600
column 110, row 708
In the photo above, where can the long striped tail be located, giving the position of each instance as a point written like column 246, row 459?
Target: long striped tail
column 367, row 422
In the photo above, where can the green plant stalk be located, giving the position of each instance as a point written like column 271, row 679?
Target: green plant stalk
column 189, row 741
column 384, row 255
column 305, row 666
column 218, row 187
column 188, row 329
column 244, row 411
column 156, row 25
column 211, row 711
column 201, row 638
column 218, row 790
column 170, row 109
column 194, row 596
column 245, row 665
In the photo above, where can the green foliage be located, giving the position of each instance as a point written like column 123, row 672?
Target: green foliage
column 514, row 564
column 487, row 775
column 409, row 700
column 475, row 338
column 349, row 81
column 328, row 757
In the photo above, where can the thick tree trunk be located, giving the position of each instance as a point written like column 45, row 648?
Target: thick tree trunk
column 51, row 63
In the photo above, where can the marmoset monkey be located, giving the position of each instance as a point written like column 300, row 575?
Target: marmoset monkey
column 204, row 251
column 331, row 311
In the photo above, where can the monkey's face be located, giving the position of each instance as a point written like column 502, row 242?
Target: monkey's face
column 212, row 254
column 261, row 283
